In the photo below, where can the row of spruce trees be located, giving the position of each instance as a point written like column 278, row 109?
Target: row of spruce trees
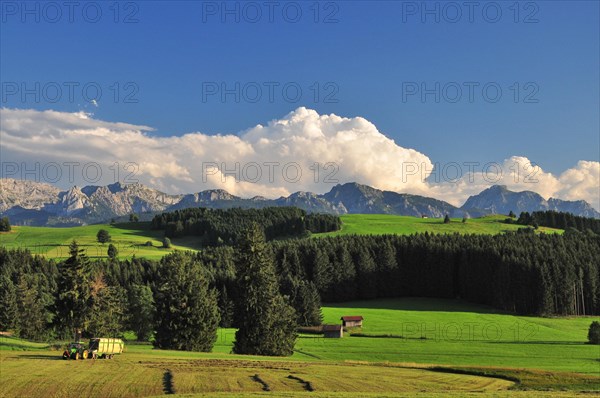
column 555, row 219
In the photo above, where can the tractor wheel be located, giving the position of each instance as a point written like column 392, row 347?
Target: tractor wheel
column 77, row 355
column 84, row 355
column 110, row 356
column 66, row 354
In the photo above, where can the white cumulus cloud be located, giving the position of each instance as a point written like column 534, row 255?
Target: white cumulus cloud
column 302, row 151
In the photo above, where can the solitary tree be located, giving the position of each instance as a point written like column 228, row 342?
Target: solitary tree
column 112, row 251
column 267, row 323
column 103, row 236
column 166, row 243
column 446, row 219
column 133, row 217
column 594, row 333
column 4, row 224
column 511, row 214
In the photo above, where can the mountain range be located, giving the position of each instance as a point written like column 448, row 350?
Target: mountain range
column 40, row 204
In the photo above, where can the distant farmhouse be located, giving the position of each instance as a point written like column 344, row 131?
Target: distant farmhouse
column 333, row 331
column 354, row 321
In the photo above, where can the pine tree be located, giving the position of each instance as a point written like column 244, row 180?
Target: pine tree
column 366, row 270
column 107, row 309
column 307, row 303
column 141, row 311
column 226, row 308
column 187, row 311
column 8, row 304
column 73, row 291
column 387, row 280
column 267, row 323
column 112, row 251
column 323, row 272
column 594, row 333
column 34, row 307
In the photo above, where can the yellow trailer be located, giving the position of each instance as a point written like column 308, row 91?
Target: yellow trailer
column 105, row 347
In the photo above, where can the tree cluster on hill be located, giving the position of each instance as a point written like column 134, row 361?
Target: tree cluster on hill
column 218, row 227
column 4, row 224
column 561, row 220
column 103, row 236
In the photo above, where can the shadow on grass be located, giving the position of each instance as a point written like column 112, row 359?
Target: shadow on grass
column 138, row 229
column 419, row 304
column 47, row 357
column 541, row 342
column 168, row 387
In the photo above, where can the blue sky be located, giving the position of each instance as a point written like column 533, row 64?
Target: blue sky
column 363, row 58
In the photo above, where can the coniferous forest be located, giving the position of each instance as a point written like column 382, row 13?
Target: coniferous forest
column 217, row 227
column 555, row 219
column 521, row 272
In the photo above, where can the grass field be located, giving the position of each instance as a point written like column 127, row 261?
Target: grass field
column 377, row 224
column 407, row 347
column 529, row 353
column 129, row 238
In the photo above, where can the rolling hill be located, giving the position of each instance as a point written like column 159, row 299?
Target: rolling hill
column 379, row 224
column 131, row 238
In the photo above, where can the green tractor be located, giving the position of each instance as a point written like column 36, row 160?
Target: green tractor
column 76, row 350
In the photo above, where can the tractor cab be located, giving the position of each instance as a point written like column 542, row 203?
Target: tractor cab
column 75, row 346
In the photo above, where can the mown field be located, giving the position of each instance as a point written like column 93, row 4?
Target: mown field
column 129, row 238
column 403, row 350
column 377, row 224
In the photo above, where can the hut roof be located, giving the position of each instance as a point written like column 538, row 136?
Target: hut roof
column 352, row 318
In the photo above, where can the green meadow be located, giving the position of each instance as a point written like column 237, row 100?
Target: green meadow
column 377, row 224
column 129, row 238
column 406, row 347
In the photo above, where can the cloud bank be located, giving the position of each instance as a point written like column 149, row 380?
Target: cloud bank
column 303, row 151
